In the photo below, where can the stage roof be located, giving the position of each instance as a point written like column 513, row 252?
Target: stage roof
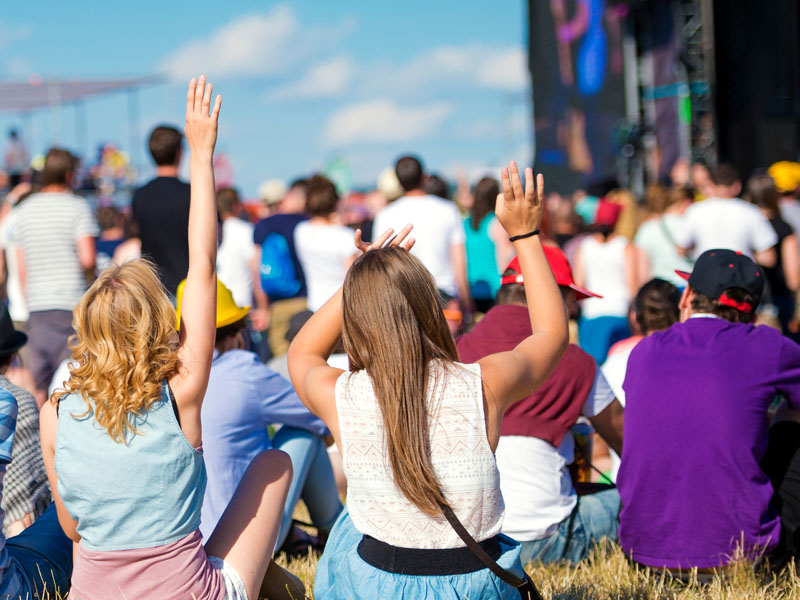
column 27, row 96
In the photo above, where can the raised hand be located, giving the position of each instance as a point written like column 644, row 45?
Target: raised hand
column 519, row 209
column 201, row 119
column 401, row 239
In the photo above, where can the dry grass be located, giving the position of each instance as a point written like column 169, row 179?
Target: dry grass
column 608, row 575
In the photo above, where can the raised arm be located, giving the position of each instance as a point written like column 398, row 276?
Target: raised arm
column 510, row 376
column 198, row 322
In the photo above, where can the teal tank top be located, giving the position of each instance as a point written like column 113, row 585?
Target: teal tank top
column 482, row 273
column 142, row 494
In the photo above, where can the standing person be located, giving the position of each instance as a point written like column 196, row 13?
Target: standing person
column 124, row 461
column 416, row 428
column 726, row 221
column 783, row 279
column 161, row 209
column 438, row 231
column 16, row 158
column 324, row 247
column 236, row 254
column 607, row 263
column 17, row 306
column 656, row 236
column 55, row 238
column 486, row 245
column 279, row 284
column 786, row 175
column 696, row 414
column 543, row 511
column 112, row 235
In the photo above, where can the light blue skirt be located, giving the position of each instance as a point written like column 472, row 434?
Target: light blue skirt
column 343, row 575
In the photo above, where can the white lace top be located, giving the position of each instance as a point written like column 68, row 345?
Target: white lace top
column 460, row 453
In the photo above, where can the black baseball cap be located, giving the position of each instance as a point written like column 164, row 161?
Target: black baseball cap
column 718, row 270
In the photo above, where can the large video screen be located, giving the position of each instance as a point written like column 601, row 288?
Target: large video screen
column 576, row 64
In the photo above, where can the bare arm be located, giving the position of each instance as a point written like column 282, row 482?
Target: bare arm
column 458, row 256
column 790, row 258
column 632, row 262
column 198, row 311
column 22, row 271
column 48, row 428
column 510, row 376
column 610, row 423
column 766, row 258
column 87, row 252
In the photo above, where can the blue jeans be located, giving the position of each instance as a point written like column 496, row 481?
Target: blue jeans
column 594, row 517
column 312, row 480
column 43, row 556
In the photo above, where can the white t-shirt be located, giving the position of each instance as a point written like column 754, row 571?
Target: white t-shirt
column 536, row 485
column 324, row 251
column 17, row 306
column 234, row 258
column 604, row 272
column 726, row 223
column 437, row 227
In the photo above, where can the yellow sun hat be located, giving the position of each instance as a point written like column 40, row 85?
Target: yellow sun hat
column 228, row 311
column 786, row 175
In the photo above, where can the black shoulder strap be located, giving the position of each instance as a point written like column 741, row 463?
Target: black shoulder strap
column 482, row 555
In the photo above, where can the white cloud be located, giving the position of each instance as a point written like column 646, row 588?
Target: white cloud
column 444, row 68
column 325, row 79
column 257, row 44
column 383, row 120
column 10, row 34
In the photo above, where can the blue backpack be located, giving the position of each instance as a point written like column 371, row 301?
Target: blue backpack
column 278, row 276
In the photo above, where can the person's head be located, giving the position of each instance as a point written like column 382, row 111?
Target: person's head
column 762, row 192
column 512, row 290
column 409, row 173
column 724, row 283
column 295, row 199
column 11, row 340
column 165, row 146
column 124, row 345
column 727, row 183
column 59, row 167
column 484, row 199
column 655, row 306
column 230, row 320
column 12, row 133
column 321, row 196
column 393, row 327
column 108, row 217
column 436, row 186
column 787, row 177
column 228, row 202
column 656, row 198
column 605, row 218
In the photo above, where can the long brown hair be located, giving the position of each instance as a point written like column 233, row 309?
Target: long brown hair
column 484, row 200
column 394, row 328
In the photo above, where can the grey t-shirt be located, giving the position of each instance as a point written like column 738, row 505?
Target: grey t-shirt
column 47, row 229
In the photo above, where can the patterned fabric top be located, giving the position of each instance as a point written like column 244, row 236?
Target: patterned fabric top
column 11, row 584
column 460, row 453
column 26, row 490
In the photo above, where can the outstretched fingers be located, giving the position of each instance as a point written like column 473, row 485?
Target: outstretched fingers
column 190, row 95
column 516, row 183
column 217, row 105
column 206, row 105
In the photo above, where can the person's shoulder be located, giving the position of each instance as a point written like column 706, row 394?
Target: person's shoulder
column 245, row 364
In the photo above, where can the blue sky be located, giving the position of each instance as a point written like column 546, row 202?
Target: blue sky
column 302, row 82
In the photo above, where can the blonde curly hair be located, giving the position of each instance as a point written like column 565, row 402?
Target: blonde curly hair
column 124, row 346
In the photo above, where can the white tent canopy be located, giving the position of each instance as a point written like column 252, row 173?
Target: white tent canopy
column 28, row 96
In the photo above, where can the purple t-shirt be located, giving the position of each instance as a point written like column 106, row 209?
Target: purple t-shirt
column 695, row 433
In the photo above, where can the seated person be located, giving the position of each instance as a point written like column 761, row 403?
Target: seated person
column 38, row 561
column 691, row 481
column 543, row 511
column 244, row 397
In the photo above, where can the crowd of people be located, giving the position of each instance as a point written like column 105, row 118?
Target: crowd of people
column 455, row 380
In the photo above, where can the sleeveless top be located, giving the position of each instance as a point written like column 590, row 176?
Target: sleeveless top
column 140, row 494
column 604, row 271
column 462, row 460
column 482, row 272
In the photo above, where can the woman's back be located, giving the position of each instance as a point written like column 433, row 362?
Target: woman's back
column 462, row 460
column 604, row 273
column 482, row 271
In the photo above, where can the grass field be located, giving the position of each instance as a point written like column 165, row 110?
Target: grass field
column 607, row 575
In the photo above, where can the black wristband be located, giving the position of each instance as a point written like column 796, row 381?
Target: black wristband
column 524, row 235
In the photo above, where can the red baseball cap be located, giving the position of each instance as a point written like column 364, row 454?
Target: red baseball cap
column 559, row 265
column 607, row 213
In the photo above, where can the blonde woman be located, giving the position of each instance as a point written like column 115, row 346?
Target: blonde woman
column 416, row 428
column 123, row 443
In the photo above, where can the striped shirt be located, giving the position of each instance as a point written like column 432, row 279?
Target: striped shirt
column 47, row 229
